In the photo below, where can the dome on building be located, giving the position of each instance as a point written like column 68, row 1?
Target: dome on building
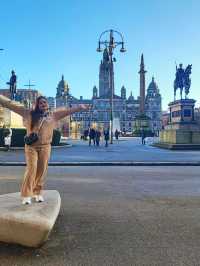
column 63, row 84
column 152, row 88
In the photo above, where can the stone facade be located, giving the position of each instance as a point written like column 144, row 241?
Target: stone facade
column 153, row 106
column 52, row 103
column 165, row 119
column 197, row 115
column 125, row 109
column 10, row 119
column 26, row 96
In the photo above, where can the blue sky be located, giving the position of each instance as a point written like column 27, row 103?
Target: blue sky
column 44, row 39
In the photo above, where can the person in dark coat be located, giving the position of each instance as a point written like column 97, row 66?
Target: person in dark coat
column 98, row 136
column 92, row 134
column 106, row 136
column 116, row 134
column 85, row 134
column 143, row 136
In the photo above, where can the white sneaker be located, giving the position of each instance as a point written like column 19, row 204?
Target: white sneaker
column 38, row 198
column 26, row 201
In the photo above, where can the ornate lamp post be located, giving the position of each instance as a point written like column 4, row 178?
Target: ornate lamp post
column 1, row 109
column 70, row 121
column 111, row 44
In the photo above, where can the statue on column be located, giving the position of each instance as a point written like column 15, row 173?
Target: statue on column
column 182, row 80
column 13, row 85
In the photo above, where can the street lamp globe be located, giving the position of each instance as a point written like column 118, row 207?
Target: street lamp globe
column 99, row 48
column 122, row 50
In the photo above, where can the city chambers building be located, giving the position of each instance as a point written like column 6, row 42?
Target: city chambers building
column 125, row 109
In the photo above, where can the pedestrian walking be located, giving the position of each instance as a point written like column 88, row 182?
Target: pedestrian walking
column 39, row 124
column 98, row 136
column 7, row 134
column 92, row 134
column 143, row 136
column 117, row 134
column 85, row 133
column 106, row 136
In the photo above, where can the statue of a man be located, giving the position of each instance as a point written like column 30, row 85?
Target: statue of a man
column 13, row 84
column 180, row 76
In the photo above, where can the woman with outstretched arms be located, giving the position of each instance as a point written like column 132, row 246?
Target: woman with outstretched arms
column 42, row 122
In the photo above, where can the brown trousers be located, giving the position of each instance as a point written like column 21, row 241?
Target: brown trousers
column 36, row 166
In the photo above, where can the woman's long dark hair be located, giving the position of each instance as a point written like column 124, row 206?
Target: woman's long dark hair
column 36, row 113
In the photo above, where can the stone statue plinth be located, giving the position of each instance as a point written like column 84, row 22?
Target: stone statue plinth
column 182, row 132
column 182, row 111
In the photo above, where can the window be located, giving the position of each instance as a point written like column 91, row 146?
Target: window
column 187, row 113
column 154, row 115
column 176, row 113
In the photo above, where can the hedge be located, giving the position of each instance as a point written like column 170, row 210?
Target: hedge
column 18, row 134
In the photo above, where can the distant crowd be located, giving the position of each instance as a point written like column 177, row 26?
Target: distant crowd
column 95, row 135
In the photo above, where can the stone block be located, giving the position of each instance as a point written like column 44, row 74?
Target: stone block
column 183, row 137
column 174, row 136
column 28, row 225
column 168, row 136
column 196, row 137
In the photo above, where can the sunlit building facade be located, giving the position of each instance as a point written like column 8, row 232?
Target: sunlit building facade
column 125, row 109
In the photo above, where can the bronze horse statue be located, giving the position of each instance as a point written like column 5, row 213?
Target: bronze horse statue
column 182, row 80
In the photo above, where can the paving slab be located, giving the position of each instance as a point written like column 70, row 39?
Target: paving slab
column 115, row 216
column 125, row 150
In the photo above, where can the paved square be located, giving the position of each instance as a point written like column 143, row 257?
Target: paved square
column 116, row 216
column 126, row 149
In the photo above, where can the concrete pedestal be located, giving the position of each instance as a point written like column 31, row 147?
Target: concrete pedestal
column 180, row 136
column 183, row 132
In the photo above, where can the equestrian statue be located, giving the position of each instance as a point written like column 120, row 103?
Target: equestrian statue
column 182, row 80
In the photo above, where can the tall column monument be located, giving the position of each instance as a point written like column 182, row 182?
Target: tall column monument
column 141, row 122
column 142, row 85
